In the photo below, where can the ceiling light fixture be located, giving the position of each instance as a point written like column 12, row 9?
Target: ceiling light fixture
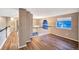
column 12, row 19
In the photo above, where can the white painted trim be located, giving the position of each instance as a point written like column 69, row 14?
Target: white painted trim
column 22, row 46
column 74, row 40
column 18, row 38
column 66, row 37
column 3, row 43
column 28, row 41
column 41, row 34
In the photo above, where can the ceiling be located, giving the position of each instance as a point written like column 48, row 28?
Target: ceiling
column 38, row 12
column 9, row 12
column 47, row 12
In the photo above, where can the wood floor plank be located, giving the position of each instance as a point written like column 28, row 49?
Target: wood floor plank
column 45, row 42
column 53, row 42
column 11, row 42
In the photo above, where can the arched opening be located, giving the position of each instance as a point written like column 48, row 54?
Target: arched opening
column 45, row 24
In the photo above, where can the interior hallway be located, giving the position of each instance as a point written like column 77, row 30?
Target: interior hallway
column 65, row 25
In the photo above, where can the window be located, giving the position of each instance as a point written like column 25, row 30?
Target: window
column 45, row 24
column 64, row 23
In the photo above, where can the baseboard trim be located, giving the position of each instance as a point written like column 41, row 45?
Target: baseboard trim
column 28, row 41
column 66, row 37
column 22, row 46
column 3, row 44
column 4, row 41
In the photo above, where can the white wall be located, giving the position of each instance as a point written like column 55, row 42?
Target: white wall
column 2, row 22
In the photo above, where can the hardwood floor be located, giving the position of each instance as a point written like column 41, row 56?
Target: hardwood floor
column 46, row 42
column 11, row 43
column 51, row 42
